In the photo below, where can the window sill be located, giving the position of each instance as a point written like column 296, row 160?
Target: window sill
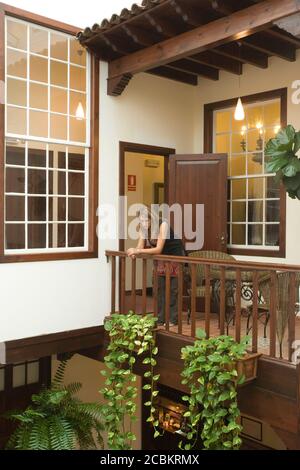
column 39, row 257
column 257, row 252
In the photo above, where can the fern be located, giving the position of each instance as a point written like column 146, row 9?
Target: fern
column 57, row 420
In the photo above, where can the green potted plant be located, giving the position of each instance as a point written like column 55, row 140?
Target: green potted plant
column 212, row 372
column 57, row 420
column 282, row 158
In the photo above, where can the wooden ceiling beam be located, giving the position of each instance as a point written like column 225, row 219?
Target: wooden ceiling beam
column 284, row 36
column 219, row 62
column 243, row 54
column 196, row 68
column 271, row 46
column 176, row 75
column 234, row 27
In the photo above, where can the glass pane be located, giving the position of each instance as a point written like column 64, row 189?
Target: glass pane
column 33, row 373
column 16, row 121
column 75, row 100
column 239, row 189
column 273, row 211
column 59, row 100
column 37, row 154
column 238, row 234
column 272, row 188
column 36, row 236
column 15, row 155
column 238, row 143
column 16, row 92
column 255, row 141
column 17, row 63
column 17, row 35
column 76, row 184
column 239, row 212
column 19, row 376
column 76, row 209
column 255, row 166
column 38, row 69
column 15, row 208
column 271, row 133
column 38, row 96
column 255, row 117
column 272, row 114
column 37, row 181
column 36, row 209
column 77, row 130
column 76, row 158
column 77, row 53
column 38, row 124
column 255, row 234
column 57, row 182
column 58, row 127
column 272, row 235
column 15, row 180
column 256, row 188
column 59, row 46
column 77, row 78
column 59, row 74
column 223, row 144
column 57, row 236
column 223, row 121
column 57, row 209
column 255, row 211
column 238, row 165
column 2, row 380
column 75, row 235
column 38, row 41
column 15, row 236
column 237, row 126
column 57, row 156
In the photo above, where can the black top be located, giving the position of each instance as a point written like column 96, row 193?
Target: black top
column 173, row 246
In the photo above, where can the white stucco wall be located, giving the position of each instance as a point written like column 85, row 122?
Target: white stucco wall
column 280, row 74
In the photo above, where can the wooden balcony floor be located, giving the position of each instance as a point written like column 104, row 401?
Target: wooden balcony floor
column 263, row 343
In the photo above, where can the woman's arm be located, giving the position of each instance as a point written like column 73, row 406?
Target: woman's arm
column 163, row 232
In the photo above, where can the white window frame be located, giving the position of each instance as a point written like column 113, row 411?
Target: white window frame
column 247, row 177
column 26, row 139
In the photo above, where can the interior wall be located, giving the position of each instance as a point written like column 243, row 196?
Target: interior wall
column 280, row 74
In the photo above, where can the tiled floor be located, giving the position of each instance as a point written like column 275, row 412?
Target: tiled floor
column 263, row 343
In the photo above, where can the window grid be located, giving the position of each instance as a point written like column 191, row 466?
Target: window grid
column 48, row 142
column 248, row 177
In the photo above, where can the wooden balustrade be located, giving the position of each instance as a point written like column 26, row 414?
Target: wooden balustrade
column 219, row 296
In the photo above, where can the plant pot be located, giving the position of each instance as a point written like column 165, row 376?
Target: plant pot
column 247, row 366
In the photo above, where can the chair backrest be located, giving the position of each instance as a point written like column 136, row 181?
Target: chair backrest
column 213, row 255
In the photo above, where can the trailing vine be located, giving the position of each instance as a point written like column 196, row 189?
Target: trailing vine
column 211, row 375
column 130, row 336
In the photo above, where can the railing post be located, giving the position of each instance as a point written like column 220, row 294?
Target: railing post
column 122, row 285
column 292, row 317
column 144, row 294
column 180, row 297
column 273, row 313
column 255, row 288
column 238, row 309
column 113, row 284
column 155, row 289
column 222, row 301
column 168, row 296
column 193, row 300
column 207, row 300
column 133, row 284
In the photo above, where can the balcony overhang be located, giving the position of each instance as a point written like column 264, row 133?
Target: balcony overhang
column 182, row 40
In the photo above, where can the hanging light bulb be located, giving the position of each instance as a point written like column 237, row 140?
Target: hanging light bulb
column 80, row 112
column 239, row 114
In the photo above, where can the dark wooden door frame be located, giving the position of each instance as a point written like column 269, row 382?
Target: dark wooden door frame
column 142, row 149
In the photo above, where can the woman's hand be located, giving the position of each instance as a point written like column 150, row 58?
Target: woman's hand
column 132, row 252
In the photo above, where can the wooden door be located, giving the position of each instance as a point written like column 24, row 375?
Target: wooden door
column 202, row 179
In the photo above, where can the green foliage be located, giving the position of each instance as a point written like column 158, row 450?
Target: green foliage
column 281, row 153
column 210, row 374
column 57, row 420
column 130, row 336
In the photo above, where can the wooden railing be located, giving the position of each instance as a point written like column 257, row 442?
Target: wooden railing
column 220, row 296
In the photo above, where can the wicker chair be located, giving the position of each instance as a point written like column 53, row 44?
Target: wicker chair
column 215, row 276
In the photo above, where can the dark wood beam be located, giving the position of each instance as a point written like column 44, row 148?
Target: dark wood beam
column 162, row 26
column 243, row 54
column 190, row 66
column 116, row 86
column 219, row 62
column 186, row 13
column 284, row 36
column 234, row 27
column 272, row 46
column 176, row 75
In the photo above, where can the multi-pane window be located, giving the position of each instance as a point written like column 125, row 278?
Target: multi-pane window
column 253, row 195
column 47, row 140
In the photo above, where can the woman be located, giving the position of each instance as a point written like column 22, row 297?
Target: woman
column 157, row 238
